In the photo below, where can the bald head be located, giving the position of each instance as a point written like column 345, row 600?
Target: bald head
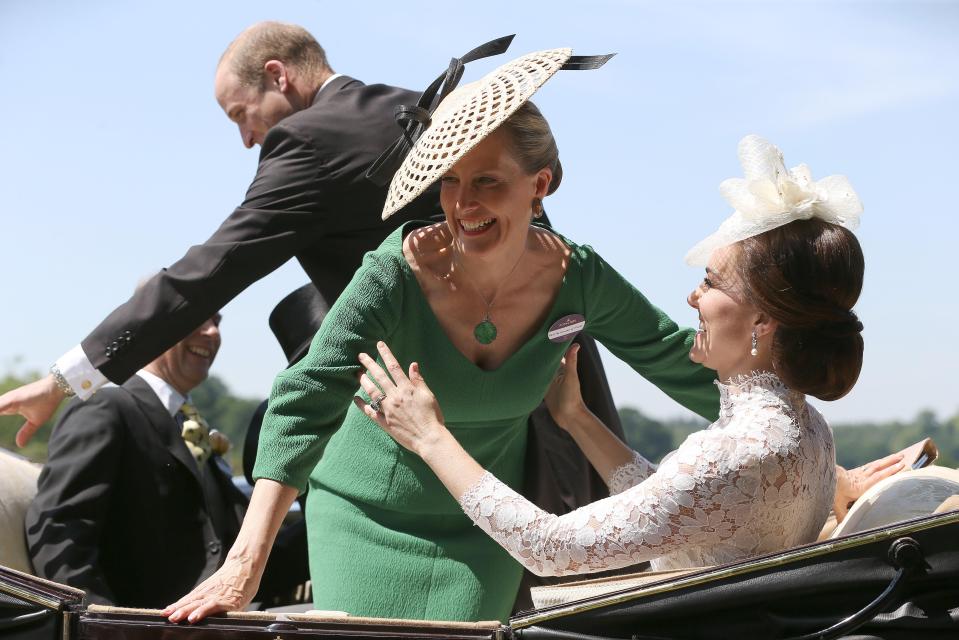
column 290, row 44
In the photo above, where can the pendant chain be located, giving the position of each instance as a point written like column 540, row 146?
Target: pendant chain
column 485, row 331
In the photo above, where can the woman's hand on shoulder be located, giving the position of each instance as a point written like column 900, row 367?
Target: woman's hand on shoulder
column 564, row 399
column 231, row 588
column 401, row 404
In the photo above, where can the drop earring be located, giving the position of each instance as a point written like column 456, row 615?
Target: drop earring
column 537, row 207
column 754, row 351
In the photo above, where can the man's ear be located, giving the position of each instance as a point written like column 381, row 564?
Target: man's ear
column 277, row 75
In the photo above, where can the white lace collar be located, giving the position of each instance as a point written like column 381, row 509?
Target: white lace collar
column 744, row 387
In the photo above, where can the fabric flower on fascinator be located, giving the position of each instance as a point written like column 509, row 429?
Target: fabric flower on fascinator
column 770, row 196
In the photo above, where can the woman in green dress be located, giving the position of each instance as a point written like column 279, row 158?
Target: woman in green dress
column 486, row 302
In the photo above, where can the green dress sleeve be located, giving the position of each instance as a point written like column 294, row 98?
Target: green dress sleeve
column 644, row 337
column 309, row 400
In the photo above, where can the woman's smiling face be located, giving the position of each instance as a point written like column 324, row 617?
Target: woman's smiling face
column 726, row 320
column 487, row 198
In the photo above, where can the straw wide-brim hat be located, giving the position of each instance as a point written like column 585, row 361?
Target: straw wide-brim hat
column 465, row 117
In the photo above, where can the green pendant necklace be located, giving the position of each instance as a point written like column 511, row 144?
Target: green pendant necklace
column 485, row 331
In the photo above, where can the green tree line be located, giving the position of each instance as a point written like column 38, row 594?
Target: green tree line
column 856, row 443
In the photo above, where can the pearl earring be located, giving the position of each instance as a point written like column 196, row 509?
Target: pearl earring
column 754, row 351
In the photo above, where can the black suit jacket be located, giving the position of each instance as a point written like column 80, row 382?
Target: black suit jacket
column 121, row 511
column 310, row 199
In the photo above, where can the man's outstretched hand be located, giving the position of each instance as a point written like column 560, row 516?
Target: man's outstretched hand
column 35, row 401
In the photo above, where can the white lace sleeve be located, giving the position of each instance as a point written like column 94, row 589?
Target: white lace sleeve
column 630, row 474
column 708, row 496
column 673, row 507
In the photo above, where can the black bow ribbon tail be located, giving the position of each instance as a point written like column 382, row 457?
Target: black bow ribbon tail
column 585, row 63
column 414, row 119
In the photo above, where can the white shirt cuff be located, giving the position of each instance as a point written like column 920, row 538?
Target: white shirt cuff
column 79, row 373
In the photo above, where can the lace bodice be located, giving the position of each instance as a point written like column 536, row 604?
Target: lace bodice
column 759, row 479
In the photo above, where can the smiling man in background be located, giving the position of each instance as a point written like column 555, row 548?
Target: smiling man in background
column 135, row 504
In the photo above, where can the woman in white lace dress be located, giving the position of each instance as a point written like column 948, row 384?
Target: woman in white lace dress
column 776, row 323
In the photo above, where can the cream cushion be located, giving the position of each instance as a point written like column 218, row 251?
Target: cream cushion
column 18, row 485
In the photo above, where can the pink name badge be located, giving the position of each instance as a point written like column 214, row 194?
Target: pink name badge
column 566, row 328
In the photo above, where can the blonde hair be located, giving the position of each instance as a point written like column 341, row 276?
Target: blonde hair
column 532, row 143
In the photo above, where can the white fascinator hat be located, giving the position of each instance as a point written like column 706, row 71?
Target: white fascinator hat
column 469, row 113
column 770, row 196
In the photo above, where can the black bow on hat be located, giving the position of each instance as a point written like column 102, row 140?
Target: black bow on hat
column 415, row 119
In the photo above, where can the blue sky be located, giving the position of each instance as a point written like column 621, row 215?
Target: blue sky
column 117, row 158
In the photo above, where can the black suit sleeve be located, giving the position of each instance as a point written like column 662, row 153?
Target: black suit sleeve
column 63, row 523
column 284, row 211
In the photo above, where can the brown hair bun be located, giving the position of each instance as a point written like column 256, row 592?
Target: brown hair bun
column 807, row 275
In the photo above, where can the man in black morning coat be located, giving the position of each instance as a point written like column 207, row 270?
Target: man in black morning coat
column 319, row 132
column 123, row 509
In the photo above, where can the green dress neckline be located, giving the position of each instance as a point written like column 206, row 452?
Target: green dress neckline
column 541, row 330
